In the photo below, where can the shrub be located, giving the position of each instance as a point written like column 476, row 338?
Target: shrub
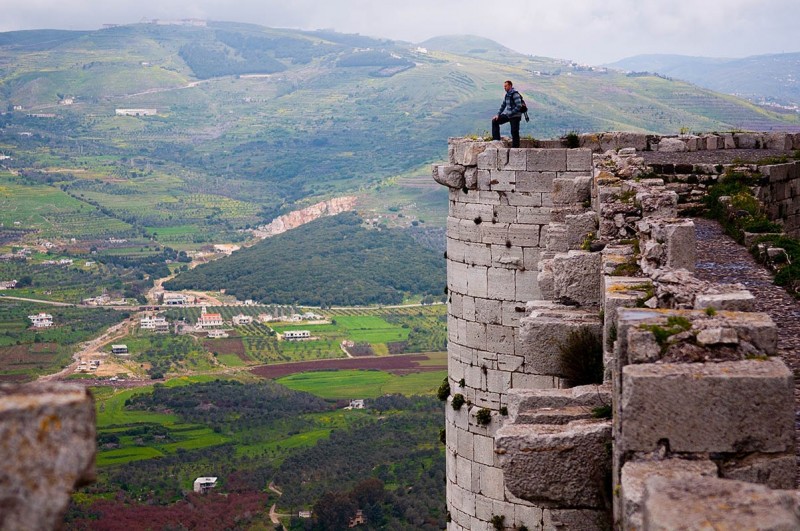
column 499, row 522
column 582, row 357
column 458, row 401
column 483, row 416
column 444, row 390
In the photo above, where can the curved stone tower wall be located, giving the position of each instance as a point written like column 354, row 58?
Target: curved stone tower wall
column 501, row 203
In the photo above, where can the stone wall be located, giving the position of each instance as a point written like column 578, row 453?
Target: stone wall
column 687, row 371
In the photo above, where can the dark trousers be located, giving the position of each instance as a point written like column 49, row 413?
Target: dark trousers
column 514, row 128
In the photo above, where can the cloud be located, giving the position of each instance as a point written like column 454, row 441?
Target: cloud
column 585, row 30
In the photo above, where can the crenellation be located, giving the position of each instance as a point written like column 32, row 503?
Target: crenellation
column 548, row 243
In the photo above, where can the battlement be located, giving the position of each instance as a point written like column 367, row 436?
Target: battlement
column 591, row 361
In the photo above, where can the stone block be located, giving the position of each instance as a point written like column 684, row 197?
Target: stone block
column 523, row 235
column 707, row 407
column 589, row 141
column 776, row 471
column 568, row 519
column 532, row 381
column 530, row 406
column 533, row 215
column 488, row 311
column 636, row 473
column 727, row 141
column 547, row 160
column 782, row 141
column 504, row 214
column 508, row 257
column 580, row 228
column 471, row 178
column 487, row 159
column 466, row 151
column 583, row 188
column 577, row 276
column 609, row 141
column 469, row 308
column 517, row 160
column 672, row 145
column 502, row 284
column 564, row 192
column 494, row 233
column 491, row 482
column 737, row 301
column 746, row 140
column 679, row 240
column 530, row 517
column 579, row 160
column 484, row 178
column 502, row 341
column 560, row 464
column 637, row 141
column 520, row 199
column 535, row 181
column 713, row 142
column 556, row 237
column 546, row 330
column 47, row 440
column 531, row 257
column 503, row 181
column 694, row 503
column 450, row 175
column 527, row 285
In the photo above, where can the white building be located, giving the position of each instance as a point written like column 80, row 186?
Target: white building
column 175, row 299
column 119, row 349
column 204, row 484
column 136, row 112
column 41, row 320
column 209, row 320
column 217, row 334
column 296, row 335
column 157, row 323
column 241, row 319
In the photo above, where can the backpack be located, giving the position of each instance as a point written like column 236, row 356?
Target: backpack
column 523, row 107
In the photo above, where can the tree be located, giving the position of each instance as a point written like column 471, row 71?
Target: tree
column 334, row 510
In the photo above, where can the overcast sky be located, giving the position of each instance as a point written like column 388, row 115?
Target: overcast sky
column 590, row 31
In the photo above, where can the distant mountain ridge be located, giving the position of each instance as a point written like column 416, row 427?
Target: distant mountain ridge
column 773, row 78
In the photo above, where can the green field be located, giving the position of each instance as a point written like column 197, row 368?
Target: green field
column 342, row 385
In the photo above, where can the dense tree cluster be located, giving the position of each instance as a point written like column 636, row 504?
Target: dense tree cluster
column 331, row 261
column 217, row 403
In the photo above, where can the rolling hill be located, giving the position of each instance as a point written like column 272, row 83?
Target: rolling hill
column 330, row 261
column 773, row 78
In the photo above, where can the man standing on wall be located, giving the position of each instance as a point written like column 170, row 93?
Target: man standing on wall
column 510, row 111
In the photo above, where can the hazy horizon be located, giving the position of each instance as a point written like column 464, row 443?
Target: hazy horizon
column 579, row 30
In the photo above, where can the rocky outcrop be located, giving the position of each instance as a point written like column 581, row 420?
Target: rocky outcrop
column 295, row 219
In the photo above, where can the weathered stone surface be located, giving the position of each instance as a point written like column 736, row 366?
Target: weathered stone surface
column 672, row 145
column 47, row 440
column 636, row 473
column 735, row 301
column 466, row 151
column 450, row 175
column 546, row 329
column 776, row 471
column 580, row 228
column 562, row 464
column 695, row 503
column 530, row 406
column 568, row 519
column 707, row 407
column 576, row 275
